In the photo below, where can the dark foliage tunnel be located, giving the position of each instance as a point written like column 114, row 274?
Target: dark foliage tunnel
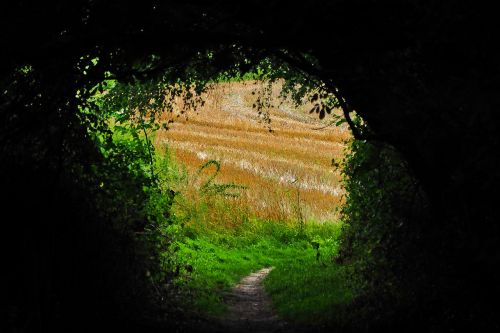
column 423, row 75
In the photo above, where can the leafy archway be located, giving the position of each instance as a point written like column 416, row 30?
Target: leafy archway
column 401, row 65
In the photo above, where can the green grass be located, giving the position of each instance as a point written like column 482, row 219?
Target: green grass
column 306, row 291
column 215, row 268
column 217, row 243
column 302, row 288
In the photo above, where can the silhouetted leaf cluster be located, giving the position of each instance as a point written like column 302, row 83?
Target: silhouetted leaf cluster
column 423, row 76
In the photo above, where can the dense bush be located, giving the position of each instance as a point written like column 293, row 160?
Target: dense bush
column 81, row 240
column 383, row 213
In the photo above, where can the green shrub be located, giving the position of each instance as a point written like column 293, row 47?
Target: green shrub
column 381, row 216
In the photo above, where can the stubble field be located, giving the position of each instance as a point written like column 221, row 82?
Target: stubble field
column 285, row 164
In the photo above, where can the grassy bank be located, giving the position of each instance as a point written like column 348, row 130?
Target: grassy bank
column 306, row 292
column 304, row 288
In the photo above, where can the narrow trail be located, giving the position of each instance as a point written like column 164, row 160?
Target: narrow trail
column 250, row 308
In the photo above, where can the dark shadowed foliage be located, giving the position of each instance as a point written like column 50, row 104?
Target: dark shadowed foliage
column 423, row 76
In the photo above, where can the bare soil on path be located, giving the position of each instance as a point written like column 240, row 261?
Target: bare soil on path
column 250, row 310
column 249, row 307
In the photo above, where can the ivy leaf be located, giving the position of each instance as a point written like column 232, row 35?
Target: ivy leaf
column 322, row 114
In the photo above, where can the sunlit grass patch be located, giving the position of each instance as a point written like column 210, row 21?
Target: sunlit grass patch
column 306, row 291
column 303, row 287
column 215, row 269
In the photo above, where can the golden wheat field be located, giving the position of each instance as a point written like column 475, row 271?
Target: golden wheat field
column 286, row 164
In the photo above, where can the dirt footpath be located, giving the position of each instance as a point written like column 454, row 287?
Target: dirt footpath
column 249, row 311
column 249, row 307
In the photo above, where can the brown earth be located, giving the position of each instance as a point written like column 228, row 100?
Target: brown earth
column 249, row 307
column 250, row 310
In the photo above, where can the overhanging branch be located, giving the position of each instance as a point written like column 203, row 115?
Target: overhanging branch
column 309, row 71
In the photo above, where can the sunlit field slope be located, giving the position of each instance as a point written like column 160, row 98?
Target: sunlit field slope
column 286, row 164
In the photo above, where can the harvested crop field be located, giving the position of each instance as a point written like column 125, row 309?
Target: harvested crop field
column 286, row 164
